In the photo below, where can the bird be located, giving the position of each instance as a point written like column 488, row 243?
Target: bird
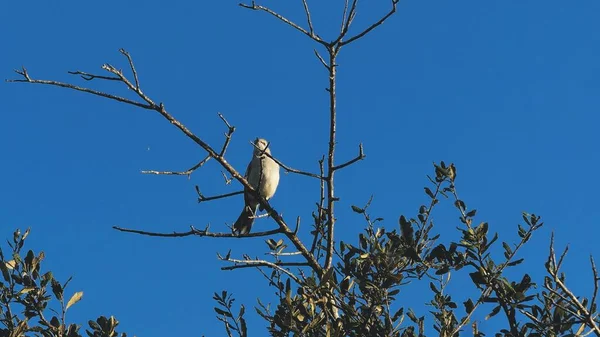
column 263, row 175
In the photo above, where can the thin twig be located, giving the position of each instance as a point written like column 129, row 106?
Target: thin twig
column 573, row 300
column 320, row 212
column 283, row 254
column 203, row 198
column 344, row 16
column 285, row 167
column 596, row 279
column 135, row 76
column 307, row 12
column 373, row 26
column 360, row 156
column 263, row 263
column 346, row 22
column 28, row 79
column 89, row 77
column 321, row 59
column 230, row 131
column 187, row 172
column 255, row 7
column 198, row 232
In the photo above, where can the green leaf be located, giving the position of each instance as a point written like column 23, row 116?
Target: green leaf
column 271, row 243
column 469, row 306
column 398, row 313
column 482, row 228
column 358, row 209
column 412, row 316
column 29, row 259
column 507, row 248
column 222, row 312
column 477, row 278
column 493, row 313
column 57, row 289
column 288, row 291
column 429, row 193
column 514, row 263
column 406, row 229
column 5, row 273
column 362, row 240
column 442, row 270
column 74, row 299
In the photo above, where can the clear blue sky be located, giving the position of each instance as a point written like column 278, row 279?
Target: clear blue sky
column 507, row 90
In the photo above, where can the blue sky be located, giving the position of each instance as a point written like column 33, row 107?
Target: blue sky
column 508, row 91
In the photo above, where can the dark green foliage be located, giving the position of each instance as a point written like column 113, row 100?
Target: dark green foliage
column 32, row 302
column 358, row 296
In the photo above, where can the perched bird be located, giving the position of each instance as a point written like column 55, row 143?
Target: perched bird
column 263, row 175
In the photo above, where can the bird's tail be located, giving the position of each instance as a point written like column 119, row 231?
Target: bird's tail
column 244, row 222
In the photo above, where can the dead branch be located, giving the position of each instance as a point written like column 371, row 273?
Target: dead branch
column 321, row 59
column 27, row 79
column 285, row 167
column 160, row 108
column 308, row 19
column 360, row 156
column 346, row 20
column 89, row 77
column 203, row 198
column 330, row 156
column 188, row 172
column 319, row 218
column 199, row 232
column 554, row 271
column 370, row 28
column 256, row 263
column 310, row 34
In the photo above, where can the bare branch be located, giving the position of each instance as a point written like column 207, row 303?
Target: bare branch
column 132, row 67
column 89, row 77
column 346, row 21
column 373, row 26
column 321, row 59
column 360, row 156
column 230, row 131
column 330, row 156
column 310, row 26
column 124, row 79
column 310, row 34
column 344, row 16
column 255, row 263
column 596, row 279
column 160, row 108
column 198, row 232
column 283, row 254
column 187, row 172
column 203, row 198
column 582, row 311
column 320, row 212
column 285, row 167
column 28, row 79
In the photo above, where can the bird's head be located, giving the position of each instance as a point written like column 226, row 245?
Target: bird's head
column 261, row 145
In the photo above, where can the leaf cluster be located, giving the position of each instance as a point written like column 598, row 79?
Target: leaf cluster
column 33, row 302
